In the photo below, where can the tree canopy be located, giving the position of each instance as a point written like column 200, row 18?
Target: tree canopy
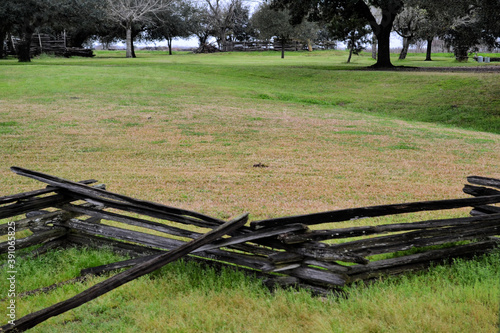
column 171, row 23
column 326, row 11
column 463, row 24
column 129, row 12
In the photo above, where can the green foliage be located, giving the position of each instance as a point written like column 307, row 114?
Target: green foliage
column 172, row 23
column 352, row 30
column 470, row 25
column 347, row 10
column 271, row 23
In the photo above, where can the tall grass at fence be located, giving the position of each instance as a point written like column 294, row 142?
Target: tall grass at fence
column 189, row 297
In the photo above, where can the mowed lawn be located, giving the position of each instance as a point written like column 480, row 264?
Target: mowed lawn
column 186, row 130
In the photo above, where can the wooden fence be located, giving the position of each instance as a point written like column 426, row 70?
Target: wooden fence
column 299, row 251
column 293, row 45
column 44, row 43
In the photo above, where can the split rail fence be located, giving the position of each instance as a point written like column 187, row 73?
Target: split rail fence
column 292, row 45
column 57, row 45
column 298, row 251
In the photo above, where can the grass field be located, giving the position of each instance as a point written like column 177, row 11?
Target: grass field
column 186, row 130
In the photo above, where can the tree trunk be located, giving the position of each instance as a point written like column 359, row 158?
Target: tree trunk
column 350, row 55
column 429, row 50
column 169, row 42
column 133, row 48
column 282, row 47
column 374, row 47
column 384, row 47
column 461, row 53
column 351, row 48
column 202, row 38
column 309, row 45
column 23, row 47
column 129, row 40
column 3, row 35
column 104, row 44
column 382, row 31
column 404, row 50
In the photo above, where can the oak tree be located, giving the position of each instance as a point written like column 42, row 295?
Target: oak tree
column 130, row 12
column 326, row 11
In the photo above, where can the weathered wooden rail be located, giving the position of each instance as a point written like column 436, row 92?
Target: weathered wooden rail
column 285, row 251
column 57, row 45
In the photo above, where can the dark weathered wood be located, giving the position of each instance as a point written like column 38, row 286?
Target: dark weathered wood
column 285, row 258
column 284, row 245
column 485, row 181
column 318, row 235
column 114, row 282
column 282, row 281
column 270, row 242
column 31, row 222
column 407, row 241
column 376, row 268
column 156, row 213
column 34, row 204
column 322, row 252
column 331, row 266
column 490, row 221
column 27, row 195
column 234, row 244
column 318, row 276
column 35, row 239
column 155, row 241
column 482, row 191
column 292, row 282
column 240, row 259
column 22, row 207
column 479, row 190
column 75, row 238
column 280, row 268
column 94, row 193
column 253, row 249
column 259, row 234
column 485, row 210
column 160, row 242
column 213, row 258
column 132, row 221
column 123, row 234
column 383, row 210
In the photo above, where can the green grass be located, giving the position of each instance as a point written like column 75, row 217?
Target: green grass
column 188, row 297
column 186, row 130
column 319, row 78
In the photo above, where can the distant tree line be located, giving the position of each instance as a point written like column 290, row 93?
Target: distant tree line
column 462, row 24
